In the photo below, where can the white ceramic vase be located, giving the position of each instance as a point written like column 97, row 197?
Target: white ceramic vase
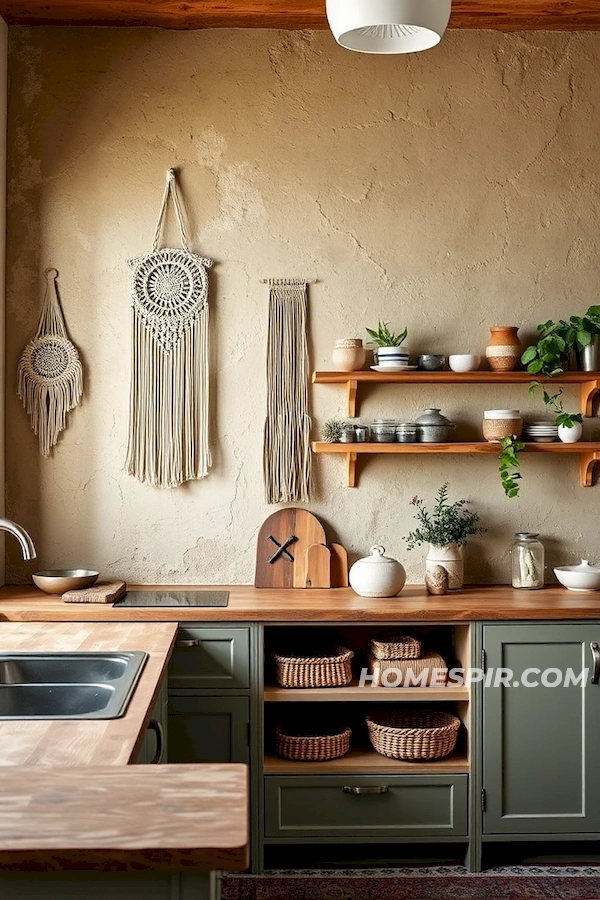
column 570, row 435
column 377, row 575
column 450, row 556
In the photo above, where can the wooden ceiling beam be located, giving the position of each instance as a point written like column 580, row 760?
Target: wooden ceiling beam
column 504, row 15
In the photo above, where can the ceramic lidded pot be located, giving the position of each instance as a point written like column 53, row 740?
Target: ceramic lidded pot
column 503, row 349
column 433, row 427
column 377, row 575
column 349, row 355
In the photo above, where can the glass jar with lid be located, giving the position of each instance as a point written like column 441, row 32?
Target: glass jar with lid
column 527, row 554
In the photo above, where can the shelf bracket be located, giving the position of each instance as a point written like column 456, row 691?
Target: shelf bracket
column 351, row 459
column 351, row 391
column 586, row 468
column 589, row 389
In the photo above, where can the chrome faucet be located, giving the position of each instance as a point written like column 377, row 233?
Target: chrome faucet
column 21, row 535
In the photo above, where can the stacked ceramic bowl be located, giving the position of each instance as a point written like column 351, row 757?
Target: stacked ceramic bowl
column 392, row 359
column 541, row 432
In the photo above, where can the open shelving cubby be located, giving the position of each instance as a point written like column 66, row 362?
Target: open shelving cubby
column 453, row 643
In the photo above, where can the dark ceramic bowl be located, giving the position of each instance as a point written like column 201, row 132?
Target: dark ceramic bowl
column 431, row 362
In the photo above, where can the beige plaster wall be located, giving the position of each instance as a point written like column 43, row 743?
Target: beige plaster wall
column 447, row 192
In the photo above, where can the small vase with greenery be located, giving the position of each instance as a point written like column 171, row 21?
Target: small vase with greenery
column 446, row 528
column 557, row 339
column 569, row 424
column 388, row 344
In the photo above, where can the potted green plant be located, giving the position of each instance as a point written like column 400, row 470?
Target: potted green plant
column 446, row 528
column 570, row 425
column 557, row 340
column 387, row 344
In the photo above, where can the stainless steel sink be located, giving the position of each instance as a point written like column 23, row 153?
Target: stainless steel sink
column 67, row 685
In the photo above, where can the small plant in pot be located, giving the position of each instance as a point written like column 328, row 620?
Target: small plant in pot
column 446, row 528
column 387, row 345
column 551, row 355
column 570, row 425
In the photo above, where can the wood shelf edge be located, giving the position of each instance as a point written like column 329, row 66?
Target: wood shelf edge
column 362, row 761
column 355, row 694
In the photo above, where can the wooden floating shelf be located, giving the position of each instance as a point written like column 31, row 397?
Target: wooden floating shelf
column 588, row 452
column 367, row 762
column 589, row 382
column 369, row 694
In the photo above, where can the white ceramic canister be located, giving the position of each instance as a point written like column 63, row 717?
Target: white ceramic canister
column 377, row 575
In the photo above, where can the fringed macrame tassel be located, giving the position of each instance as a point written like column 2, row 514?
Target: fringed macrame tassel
column 50, row 376
column 287, row 457
column 168, row 410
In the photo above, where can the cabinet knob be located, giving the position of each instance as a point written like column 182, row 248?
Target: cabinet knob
column 375, row 789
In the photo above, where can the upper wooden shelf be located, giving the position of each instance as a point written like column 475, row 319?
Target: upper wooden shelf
column 589, row 382
column 367, row 694
column 504, row 15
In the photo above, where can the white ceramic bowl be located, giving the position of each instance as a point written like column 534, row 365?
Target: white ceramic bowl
column 464, row 362
column 579, row 578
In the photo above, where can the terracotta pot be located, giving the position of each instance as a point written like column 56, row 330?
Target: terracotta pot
column 504, row 349
column 450, row 557
column 349, row 355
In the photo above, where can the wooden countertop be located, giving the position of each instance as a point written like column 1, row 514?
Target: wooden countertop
column 158, row 817
column 248, row 604
column 111, row 742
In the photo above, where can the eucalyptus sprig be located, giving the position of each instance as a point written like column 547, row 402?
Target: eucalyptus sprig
column 383, row 337
column 554, row 402
column 447, row 523
column 509, row 464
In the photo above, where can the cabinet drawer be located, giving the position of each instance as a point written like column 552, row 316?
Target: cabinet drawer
column 345, row 806
column 216, row 658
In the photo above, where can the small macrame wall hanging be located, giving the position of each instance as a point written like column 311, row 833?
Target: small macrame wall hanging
column 287, row 457
column 49, row 376
column 168, row 411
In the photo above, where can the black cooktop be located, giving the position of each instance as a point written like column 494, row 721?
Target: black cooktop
column 174, row 598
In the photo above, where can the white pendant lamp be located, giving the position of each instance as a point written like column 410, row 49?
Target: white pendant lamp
column 388, row 26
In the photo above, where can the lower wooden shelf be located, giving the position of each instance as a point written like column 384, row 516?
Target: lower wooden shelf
column 368, row 694
column 366, row 761
column 588, row 452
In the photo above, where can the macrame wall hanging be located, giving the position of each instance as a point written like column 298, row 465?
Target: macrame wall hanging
column 50, row 377
column 168, row 411
column 287, row 458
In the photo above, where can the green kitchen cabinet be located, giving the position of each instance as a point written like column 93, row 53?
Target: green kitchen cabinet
column 210, row 658
column 208, row 729
column 154, row 745
column 540, row 743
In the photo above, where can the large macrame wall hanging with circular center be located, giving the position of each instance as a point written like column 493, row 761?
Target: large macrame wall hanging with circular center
column 50, row 377
column 168, row 410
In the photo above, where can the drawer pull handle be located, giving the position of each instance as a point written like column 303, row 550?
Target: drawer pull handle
column 596, row 659
column 377, row 789
column 187, row 644
column 156, row 726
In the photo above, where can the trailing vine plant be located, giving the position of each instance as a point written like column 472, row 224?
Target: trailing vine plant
column 509, row 464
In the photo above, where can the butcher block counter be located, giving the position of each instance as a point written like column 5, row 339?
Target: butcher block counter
column 88, row 742
column 25, row 603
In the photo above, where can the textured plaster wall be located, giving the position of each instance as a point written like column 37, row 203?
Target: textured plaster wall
column 448, row 192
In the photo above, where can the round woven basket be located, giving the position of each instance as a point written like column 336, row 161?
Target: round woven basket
column 313, row 747
column 413, row 734
column 329, row 669
column 391, row 645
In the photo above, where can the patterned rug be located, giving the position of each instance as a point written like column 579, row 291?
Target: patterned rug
column 431, row 883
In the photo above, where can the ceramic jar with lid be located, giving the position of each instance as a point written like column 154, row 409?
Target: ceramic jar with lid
column 383, row 431
column 527, row 554
column 433, row 427
column 377, row 575
column 349, row 355
column 503, row 349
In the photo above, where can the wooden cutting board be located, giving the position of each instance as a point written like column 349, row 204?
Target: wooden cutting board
column 318, row 566
column 339, row 566
column 287, row 568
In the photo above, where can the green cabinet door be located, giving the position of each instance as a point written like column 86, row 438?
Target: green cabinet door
column 208, row 729
column 540, row 743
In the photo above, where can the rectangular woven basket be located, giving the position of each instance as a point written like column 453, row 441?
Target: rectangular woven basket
column 330, row 669
column 413, row 734
column 427, row 670
column 395, row 646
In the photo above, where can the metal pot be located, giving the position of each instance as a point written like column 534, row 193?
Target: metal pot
column 590, row 356
column 433, row 427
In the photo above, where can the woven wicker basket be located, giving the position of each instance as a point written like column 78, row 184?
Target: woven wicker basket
column 314, row 747
column 429, row 669
column 413, row 734
column 392, row 645
column 329, row 669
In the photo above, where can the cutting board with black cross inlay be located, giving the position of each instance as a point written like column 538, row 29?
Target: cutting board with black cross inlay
column 281, row 550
